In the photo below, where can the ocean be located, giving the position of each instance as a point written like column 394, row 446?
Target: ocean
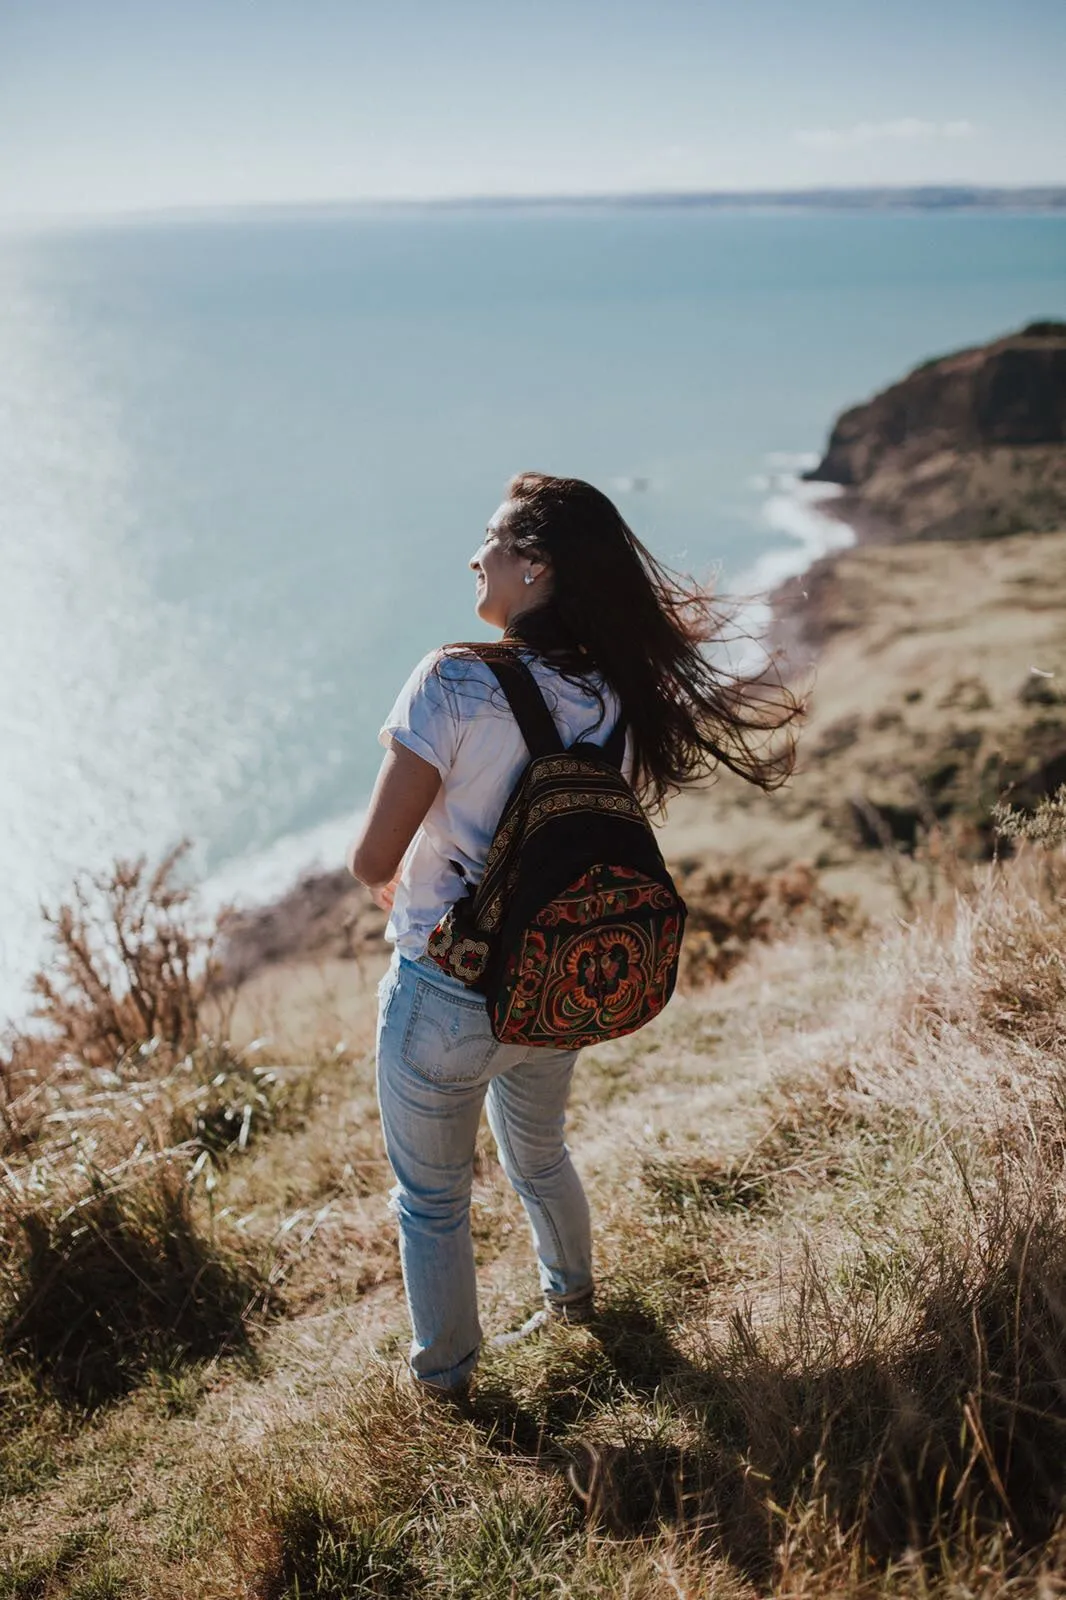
column 244, row 462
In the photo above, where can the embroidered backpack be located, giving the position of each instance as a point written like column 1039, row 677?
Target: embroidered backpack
column 574, row 932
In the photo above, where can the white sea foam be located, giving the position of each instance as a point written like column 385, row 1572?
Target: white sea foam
column 793, row 510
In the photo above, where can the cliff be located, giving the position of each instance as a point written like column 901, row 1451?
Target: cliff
column 970, row 445
column 934, row 647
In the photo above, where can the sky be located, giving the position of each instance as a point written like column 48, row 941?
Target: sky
column 119, row 105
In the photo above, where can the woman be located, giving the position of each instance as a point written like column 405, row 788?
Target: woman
column 606, row 631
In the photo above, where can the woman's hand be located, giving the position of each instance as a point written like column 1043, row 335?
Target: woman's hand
column 384, row 894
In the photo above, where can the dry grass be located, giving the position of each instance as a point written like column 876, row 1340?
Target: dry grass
column 108, row 1274
column 129, row 968
column 1046, row 825
column 831, row 1229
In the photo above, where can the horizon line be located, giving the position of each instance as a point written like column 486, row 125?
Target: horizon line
column 924, row 196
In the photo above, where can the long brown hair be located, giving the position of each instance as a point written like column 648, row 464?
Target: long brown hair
column 614, row 610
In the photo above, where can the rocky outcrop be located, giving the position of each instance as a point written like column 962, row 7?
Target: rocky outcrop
column 971, row 445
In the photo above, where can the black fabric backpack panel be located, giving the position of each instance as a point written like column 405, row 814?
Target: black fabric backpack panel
column 573, row 934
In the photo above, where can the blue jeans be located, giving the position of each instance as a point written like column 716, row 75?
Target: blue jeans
column 437, row 1063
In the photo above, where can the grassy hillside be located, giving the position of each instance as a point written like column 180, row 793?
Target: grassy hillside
column 828, row 1190
column 832, row 1255
column 925, row 708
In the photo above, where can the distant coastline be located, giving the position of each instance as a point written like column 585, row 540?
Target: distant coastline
column 926, row 197
column 954, row 198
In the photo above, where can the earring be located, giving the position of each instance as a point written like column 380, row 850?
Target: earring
column 527, row 577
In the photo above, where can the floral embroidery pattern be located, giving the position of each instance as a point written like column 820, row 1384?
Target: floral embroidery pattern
column 577, row 979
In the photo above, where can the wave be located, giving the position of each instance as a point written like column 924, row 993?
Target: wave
column 792, row 510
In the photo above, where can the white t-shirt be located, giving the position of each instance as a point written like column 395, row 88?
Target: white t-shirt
column 453, row 713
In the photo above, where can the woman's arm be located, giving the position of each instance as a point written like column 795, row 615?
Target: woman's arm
column 405, row 789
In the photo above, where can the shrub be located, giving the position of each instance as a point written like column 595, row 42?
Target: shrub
column 729, row 910
column 1045, row 824
column 119, row 1000
column 128, row 965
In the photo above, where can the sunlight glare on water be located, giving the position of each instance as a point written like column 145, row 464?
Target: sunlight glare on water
column 115, row 739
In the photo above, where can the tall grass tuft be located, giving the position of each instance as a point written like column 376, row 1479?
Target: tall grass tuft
column 74, row 1568
column 107, row 1275
column 916, row 1428
column 317, row 1546
column 1044, row 824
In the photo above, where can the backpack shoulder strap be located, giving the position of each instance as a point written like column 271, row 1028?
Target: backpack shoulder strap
column 524, row 698
column 614, row 747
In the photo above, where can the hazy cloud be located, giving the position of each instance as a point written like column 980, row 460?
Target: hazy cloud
column 907, row 130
